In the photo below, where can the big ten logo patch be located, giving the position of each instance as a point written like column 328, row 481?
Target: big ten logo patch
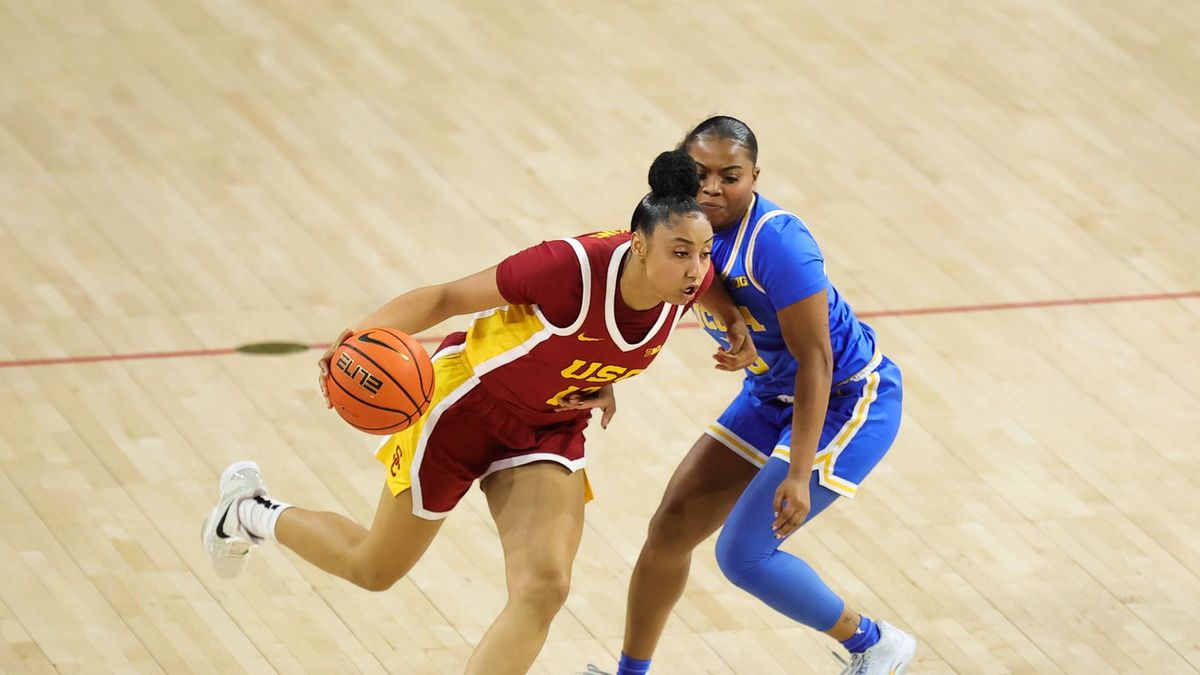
column 740, row 282
column 359, row 374
column 590, row 371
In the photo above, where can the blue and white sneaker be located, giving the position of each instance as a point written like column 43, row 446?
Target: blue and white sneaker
column 890, row 656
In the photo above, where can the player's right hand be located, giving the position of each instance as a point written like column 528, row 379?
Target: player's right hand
column 792, row 504
column 604, row 399
column 741, row 352
column 323, row 363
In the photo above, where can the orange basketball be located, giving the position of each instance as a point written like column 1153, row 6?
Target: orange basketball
column 380, row 380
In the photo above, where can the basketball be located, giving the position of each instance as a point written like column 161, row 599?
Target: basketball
column 380, row 380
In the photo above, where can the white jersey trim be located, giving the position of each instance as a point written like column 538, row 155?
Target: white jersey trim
column 453, row 397
column 610, row 299
column 585, row 270
column 572, row 465
column 754, row 238
column 737, row 241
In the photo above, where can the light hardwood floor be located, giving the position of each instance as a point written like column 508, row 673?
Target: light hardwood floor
column 186, row 176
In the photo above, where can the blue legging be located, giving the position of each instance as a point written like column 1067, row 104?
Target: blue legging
column 749, row 556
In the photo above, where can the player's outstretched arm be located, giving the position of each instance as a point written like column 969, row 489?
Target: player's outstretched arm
column 422, row 308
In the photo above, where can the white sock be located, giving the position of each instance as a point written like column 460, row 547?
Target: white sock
column 259, row 515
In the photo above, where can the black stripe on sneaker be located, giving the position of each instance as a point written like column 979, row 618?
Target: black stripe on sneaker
column 221, row 526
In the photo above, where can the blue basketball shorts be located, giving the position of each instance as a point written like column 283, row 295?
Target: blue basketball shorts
column 860, row 425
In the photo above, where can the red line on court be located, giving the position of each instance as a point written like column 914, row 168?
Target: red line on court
column 135, row 356
column 1029, row 304
column 912, row 311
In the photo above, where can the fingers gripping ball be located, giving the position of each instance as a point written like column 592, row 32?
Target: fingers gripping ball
column 380, row 380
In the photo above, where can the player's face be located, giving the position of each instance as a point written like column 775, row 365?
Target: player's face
column 677, row 257
column 727, row 179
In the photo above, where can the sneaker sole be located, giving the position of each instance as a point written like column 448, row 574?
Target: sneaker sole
column 907, row 651
column 230, row 563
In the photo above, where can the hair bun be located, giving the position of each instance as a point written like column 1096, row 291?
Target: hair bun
column 674, row 173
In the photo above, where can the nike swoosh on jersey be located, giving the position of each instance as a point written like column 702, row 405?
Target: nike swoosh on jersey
column 584, row 338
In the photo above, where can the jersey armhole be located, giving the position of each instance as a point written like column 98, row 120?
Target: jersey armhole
column 585, row 271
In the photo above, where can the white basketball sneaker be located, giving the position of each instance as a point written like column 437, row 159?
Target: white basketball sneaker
column 227, row 542
column 889, row 656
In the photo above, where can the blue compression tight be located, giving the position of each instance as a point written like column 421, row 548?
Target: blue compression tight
column 748, row 553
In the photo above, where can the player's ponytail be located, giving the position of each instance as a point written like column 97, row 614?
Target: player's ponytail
column 674, row 183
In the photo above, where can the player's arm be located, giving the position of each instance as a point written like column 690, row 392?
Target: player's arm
column 741, row 353
column 422, row 308
column 522, row 278
column 805, row 327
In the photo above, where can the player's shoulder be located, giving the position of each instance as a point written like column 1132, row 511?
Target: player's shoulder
column 598, row 247
column 775, row 222
column 553, row 256
column 546, row 250
column 571, row 252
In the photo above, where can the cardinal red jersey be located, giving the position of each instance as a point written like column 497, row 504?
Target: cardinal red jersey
column 566, row 330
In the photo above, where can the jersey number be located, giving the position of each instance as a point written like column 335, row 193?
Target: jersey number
column 759, row 366
column 709, row 321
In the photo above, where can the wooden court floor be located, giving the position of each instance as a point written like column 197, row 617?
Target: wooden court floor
column 1008, row 189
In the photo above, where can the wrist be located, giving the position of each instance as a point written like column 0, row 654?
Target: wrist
column 796, row 470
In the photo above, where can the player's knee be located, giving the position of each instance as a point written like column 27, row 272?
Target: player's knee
column 374, row 579
column 544, row 588
column 670, row 533
column 373, row 575
column 736, row 561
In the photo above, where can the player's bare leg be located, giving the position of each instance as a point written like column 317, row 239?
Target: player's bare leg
column 699, row 497
column 538, row 509
column 374, row 559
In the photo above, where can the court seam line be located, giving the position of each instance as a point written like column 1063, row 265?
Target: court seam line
column 876, row 314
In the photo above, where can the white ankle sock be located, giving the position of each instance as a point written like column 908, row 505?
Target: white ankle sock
column 259, row 515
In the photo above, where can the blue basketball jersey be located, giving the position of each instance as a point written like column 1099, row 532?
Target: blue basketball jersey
column 767, row 262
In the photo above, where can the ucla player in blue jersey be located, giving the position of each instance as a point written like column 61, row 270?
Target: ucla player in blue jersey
column 816, row 413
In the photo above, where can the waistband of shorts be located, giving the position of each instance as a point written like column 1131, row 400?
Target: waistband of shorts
column 872, row 366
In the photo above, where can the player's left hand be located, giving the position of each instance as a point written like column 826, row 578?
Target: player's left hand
column 741, row 352
column 323, row 363
column 791, row 505
column 604, row 399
